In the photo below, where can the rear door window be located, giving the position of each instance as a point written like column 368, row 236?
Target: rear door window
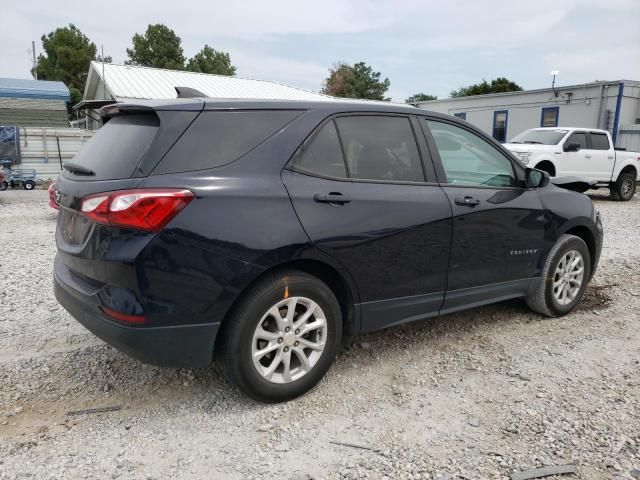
column 117, row 148
column 218, row 138
column 322, row 155
column 599, row 141
column 380, row 148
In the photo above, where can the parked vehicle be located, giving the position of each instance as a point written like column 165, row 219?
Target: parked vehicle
column 18, row 178
column 264, row 231
column 581, row 152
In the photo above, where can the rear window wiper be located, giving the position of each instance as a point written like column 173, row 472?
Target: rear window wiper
column 77, row 169
column 533, row 141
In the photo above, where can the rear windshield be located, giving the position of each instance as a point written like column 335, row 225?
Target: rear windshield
column 117, row 148
column 540, row 137
column 219, row 138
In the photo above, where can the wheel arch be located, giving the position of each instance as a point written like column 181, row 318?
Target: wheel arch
column 587, row 236
column 546, row 162
column 629, row 168
column 341, row 286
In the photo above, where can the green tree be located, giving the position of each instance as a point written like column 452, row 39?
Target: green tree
column 498, row 85
column 66, row 58
column 420, row 97
column 106, row 59
column 209, row 60
column 158, row 47
column 355, row 81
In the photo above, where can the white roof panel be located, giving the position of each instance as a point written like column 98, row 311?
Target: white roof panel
column 129, row 81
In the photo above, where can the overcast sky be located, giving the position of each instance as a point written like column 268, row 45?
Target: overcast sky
column 421, row 46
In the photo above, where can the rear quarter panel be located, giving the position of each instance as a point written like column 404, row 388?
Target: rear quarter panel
column 623, row 160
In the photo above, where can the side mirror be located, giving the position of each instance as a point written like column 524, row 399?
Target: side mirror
column 571, row 147
column 535, row 178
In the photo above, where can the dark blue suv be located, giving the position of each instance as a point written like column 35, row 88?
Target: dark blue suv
column 264, row 231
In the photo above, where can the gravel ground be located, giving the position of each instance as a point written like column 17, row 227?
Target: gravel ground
column 480, row 394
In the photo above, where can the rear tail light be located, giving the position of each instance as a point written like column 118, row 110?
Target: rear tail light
column 144, row 209
column 52, row 196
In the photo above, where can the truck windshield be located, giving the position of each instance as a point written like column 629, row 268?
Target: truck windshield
column 541, row 137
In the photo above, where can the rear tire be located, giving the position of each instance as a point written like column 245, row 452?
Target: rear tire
column 546, row 294
column 3, row 186
column 28, row 185
column 625, row 187
column 281, row 374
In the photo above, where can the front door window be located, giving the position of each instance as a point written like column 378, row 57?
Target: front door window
column 468, row 159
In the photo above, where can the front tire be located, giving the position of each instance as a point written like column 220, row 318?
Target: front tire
column 625, row 187
column 564, row 278
column 282, row 337
column 28, row 185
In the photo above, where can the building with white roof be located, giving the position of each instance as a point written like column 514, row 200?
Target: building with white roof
column 108, row 83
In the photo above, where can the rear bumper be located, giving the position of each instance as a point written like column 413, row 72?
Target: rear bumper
column 184, row 346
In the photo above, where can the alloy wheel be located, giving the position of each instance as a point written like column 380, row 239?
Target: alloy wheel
column 627, row 187
column 568, row 277
column 289, row 340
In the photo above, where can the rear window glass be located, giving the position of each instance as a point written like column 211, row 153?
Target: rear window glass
column 599, row 141
column 219, row 138
column 117, row 148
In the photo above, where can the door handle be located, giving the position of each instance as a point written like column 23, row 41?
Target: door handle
column 467, row 201
column 611, row 157
column 333, row 197
column 587, row 155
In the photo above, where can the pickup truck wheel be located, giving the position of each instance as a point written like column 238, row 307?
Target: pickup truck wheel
column 3, row 186
column 564, row 278
column 28, row 185
column 282, row 337
column 625, row 187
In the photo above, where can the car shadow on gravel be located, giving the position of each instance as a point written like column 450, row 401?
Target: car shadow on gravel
column 606, row 197
column 99, row 374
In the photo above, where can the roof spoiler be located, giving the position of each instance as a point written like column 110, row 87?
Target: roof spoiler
column 188, row 92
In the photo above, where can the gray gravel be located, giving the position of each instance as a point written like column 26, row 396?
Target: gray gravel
column 479, row 394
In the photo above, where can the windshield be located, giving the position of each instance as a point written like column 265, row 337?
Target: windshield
column 541, row 137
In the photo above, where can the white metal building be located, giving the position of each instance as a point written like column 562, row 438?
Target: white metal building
column 46, row 149
column 110, row 82
column 610, row 105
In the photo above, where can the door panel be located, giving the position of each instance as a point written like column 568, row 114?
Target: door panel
column 573, row 163
column 602, row 159
column 394, row 239
column 498, row 240
column 498, row 227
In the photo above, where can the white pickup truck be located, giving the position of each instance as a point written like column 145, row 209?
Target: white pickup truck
column 579, row 152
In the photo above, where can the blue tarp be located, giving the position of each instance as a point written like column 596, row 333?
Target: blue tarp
column 9, row 145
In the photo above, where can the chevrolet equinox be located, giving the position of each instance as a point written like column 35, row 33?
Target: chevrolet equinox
column 260, row 232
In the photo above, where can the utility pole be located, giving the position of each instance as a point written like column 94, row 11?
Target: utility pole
column 35, row 63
